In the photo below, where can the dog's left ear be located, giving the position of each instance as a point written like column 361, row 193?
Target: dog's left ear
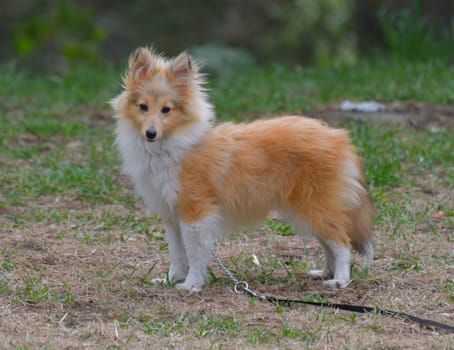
column 183, row 68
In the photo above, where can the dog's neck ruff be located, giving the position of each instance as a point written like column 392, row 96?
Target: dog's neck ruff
column 154, row 166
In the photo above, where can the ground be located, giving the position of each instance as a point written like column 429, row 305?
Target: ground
column 78, row 251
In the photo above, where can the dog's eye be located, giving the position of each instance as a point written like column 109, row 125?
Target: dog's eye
column 165, row 110
column 143, row 107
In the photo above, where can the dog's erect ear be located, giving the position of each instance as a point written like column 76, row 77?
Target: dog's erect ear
column 183, row 68
column 139, row 65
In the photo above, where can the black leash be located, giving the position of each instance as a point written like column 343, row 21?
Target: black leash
column 243, row 287
column 358, row 309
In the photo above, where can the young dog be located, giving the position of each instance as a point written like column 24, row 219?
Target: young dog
column 205, row 181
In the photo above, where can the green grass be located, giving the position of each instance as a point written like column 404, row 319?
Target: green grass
column 41, row 117
column 280, row 89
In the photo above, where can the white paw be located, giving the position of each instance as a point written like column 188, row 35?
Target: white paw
column 336, row 283
column 177, row 274
column 193, row 288
column 319, row 273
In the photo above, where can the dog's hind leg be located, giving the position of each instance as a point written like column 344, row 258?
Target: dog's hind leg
column 337, row 254
column 303, row 227
column 328, row 269
column 338, row 262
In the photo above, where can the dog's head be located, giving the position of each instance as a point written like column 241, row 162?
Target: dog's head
column 161, row 96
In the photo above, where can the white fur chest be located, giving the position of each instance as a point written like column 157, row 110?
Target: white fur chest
column 154, row 167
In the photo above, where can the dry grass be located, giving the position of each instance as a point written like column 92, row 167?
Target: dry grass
column 76, row 285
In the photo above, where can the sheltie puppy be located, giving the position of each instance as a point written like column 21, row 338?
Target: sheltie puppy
column 205, row 181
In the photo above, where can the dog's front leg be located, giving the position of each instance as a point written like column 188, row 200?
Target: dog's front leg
column 198, row 238
column 178, row 259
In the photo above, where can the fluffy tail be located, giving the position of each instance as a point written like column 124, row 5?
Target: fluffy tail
column 361, row 234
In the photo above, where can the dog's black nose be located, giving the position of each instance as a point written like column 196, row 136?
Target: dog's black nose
column 150, row 134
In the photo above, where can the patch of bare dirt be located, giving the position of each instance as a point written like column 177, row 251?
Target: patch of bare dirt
column 415, row 114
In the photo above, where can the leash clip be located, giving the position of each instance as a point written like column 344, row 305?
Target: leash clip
column 240, row 287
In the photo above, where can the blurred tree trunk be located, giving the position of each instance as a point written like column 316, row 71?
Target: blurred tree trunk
column 367, row 25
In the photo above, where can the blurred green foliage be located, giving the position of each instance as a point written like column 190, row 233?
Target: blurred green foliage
column 218, row 59
column 321, row 28
column 409, row 35
column 229, row 35
column 66, row 30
